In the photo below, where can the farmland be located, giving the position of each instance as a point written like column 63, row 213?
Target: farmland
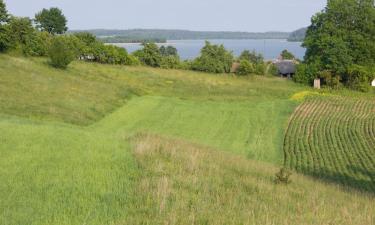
column 333, row 138
column 101, row 144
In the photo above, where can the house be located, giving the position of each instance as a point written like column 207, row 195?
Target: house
column 286, row 67
column 373, row 83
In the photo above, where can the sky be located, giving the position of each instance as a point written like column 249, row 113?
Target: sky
column 199, row 15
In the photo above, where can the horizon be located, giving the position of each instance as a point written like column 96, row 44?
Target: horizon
column 253, row 16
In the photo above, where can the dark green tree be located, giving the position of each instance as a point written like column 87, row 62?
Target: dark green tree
column 252, row 57
column 61, row 52
column 168, row 51
column 285, row 54
column 51, row 20
column 3, row 12
column 341, row 35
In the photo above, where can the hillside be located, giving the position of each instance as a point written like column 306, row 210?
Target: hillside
column 149, row 34
column 298, row 35
column 101, row 144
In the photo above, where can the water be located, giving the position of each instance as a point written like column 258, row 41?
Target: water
column 190, row 49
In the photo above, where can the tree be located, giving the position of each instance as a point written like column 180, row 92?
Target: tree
column 252, row 57
column 149, row 55
column 61, row 52
column 3, row 12
column 21, row 32
column 51, row 20
column 168, row 51
column 285, row 54
column 245, row 68
column 213, row 59
column 340, row 36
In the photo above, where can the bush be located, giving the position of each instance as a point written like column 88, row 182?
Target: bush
column 213, row 59
column 245, row 68
column 170, row 62
column 330, row 79
column 272, row 70
column 359, row 78
column 260, row 69
column 61, row 52
column 305, row 73
column 149, row 55
column 283, row 176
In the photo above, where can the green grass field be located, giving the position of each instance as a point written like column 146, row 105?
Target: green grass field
column 100, row 144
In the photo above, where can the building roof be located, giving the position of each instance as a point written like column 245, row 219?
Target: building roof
column 286, row 66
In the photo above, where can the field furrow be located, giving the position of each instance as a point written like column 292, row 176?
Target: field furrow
column 333, row 138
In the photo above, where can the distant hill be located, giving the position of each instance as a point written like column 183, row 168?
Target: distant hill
column 150, row 34
column 298, row 35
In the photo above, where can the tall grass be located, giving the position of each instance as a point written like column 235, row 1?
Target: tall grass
column 184, row 183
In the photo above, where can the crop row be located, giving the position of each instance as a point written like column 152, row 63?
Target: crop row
column 333, row 138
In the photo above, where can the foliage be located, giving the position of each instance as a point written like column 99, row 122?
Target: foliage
column 341, row 35
column 252, row 57
column 149, row 55
column 168, row 51
column 213, row 59
column 305, row 73
column 245, row 68
column 283, row 176
column 61, row 52
column 360, row 77
column 260, row 68
column 5, row 40
column 272, row 70
column 332, row 138
column 170, row 62
column 3, row 12
column 330, row 79
column 51, row 20
column 286, row 55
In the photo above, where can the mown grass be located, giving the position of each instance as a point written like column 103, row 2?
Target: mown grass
column 86, row 92
column 66, row 157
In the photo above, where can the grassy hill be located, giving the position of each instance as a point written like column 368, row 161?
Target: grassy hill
column 100, row 144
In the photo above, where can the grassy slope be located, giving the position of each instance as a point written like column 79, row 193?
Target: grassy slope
column 66, row 173
column 183, row 183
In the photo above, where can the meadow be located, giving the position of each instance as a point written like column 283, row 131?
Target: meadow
column 101, row 144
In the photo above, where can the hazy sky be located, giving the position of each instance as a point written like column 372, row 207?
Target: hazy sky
column 213, row 15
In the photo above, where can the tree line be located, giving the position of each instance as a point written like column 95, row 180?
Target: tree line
column 340, row 46
column 45, row 35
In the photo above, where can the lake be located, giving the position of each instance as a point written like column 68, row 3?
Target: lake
column 189, row 49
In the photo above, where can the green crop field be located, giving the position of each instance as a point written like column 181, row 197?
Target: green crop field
column 334, row 138
column 100, row 144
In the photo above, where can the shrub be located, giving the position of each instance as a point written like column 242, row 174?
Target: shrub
column 330, row 79
column 61, row 52
column 252, row 57
column 245, row 68
column 272, row 70
column 170, row 62
column 283, row 176
column 213, row 59
column 305, row 73
column 260, row 69
column 149, row 55
column 285, row 54
column 359, row 78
